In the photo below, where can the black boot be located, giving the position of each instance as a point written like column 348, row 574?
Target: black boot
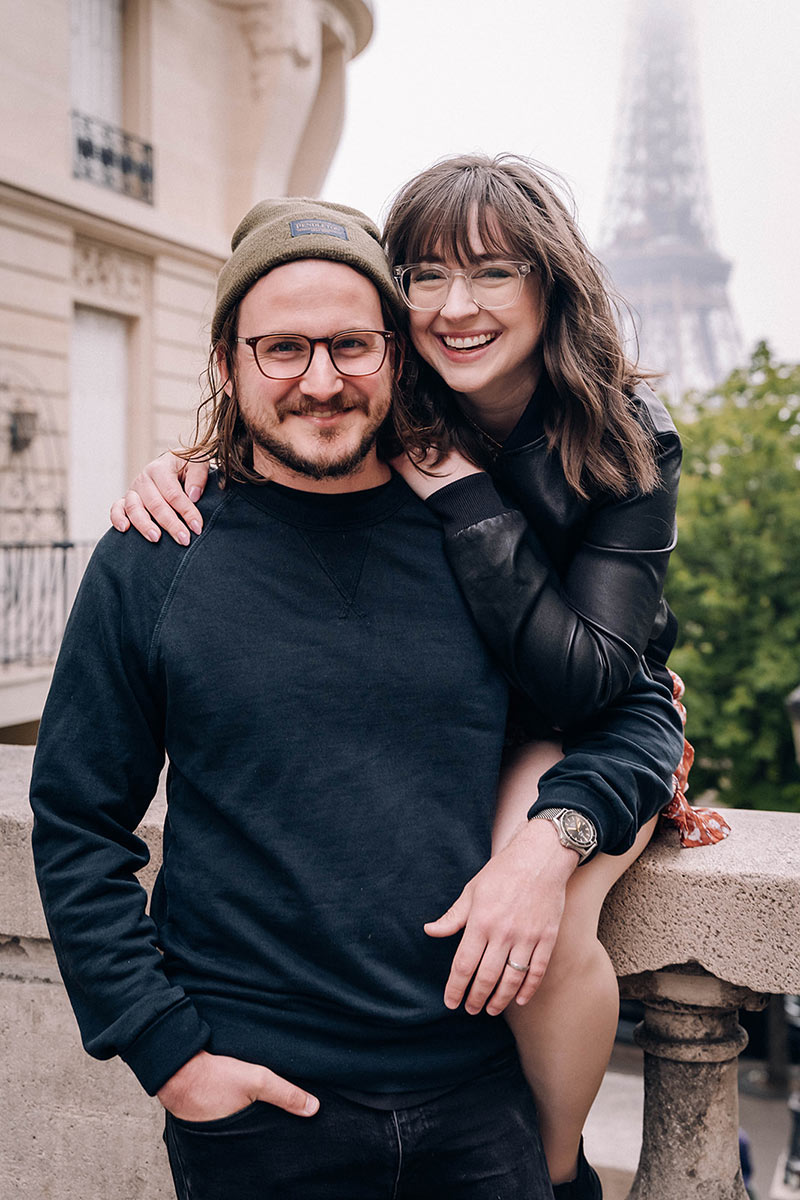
column 585, row 1186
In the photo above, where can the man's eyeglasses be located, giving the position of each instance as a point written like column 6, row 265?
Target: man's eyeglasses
column 288, row 355
column 426, row 286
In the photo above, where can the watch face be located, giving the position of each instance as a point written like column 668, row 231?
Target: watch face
column 578, row 828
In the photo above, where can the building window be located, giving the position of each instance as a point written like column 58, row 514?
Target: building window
column 98, row 433
column 103, row 151
column 97, row 56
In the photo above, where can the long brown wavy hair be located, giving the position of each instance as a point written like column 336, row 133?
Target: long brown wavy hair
column 514, row 206
column 221, row 436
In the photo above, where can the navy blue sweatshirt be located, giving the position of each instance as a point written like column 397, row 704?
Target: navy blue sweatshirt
column 334, row 726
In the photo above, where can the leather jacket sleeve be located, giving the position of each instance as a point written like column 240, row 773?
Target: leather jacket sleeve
column 617, row 767
column 567, row 593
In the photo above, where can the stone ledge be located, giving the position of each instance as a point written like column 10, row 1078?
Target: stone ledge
column 20, row 908
column 23, row 691
column 733, row 908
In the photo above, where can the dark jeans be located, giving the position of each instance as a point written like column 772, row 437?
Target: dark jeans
column 480, row 1141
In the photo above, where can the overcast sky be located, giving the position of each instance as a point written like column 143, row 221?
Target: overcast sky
column 446, row 76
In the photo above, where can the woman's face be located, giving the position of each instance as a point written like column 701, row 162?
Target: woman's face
column 491, row 357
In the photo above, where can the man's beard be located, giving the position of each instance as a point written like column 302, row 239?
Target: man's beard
column 281, row 451
column 333, row 468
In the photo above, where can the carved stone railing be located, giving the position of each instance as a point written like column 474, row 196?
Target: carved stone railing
column 694, row 934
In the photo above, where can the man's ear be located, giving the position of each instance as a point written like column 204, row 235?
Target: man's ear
column 222, row 370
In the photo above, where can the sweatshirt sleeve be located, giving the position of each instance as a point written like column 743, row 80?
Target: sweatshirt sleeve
column 96, row 769
column 574, row 643
column 618, row 766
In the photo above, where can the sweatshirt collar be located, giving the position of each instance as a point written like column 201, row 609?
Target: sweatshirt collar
column 325, row 510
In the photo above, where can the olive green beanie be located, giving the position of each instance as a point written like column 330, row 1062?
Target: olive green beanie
column 279, row 231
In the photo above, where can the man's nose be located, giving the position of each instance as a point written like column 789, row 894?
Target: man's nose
column 321, row 379
column 459, row 302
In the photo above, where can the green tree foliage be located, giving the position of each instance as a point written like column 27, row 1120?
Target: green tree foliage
column 734, row 582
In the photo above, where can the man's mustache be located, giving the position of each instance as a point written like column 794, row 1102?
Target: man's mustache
column 306, row 405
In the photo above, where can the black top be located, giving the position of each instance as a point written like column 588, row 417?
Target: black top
column 567, row 590
column 334, row 726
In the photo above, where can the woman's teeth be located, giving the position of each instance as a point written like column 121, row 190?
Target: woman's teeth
column 468, row 343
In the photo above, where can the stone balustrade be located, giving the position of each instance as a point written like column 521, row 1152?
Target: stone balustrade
column 694, row 934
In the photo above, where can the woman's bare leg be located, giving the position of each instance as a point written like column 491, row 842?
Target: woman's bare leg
column 566, row 1033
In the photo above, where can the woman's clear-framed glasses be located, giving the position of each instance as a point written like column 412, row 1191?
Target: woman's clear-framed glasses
column 496, row 284
column 353, row 352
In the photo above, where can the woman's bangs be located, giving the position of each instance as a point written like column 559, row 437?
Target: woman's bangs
column 444, row 228
column 437, row 227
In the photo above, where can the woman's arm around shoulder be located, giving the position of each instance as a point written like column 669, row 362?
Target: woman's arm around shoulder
column 162, row 496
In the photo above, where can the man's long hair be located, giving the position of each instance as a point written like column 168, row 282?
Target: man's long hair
column 221, row 436
column 515, row 210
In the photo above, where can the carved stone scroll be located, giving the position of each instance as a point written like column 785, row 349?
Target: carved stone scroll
column 109, row 275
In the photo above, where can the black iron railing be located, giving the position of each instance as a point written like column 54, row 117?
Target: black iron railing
column 111, row 157
column 37, row 586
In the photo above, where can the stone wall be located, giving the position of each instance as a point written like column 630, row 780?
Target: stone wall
column 71, row 1128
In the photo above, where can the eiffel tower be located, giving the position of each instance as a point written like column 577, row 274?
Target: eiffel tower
column 658, row 242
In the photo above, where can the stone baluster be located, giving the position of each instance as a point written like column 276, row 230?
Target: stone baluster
column 691, row 1039
column 786, row 1180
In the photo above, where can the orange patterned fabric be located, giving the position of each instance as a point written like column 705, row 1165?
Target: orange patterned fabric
column 696, row 826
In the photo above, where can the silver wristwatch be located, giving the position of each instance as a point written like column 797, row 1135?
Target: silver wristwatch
column 575, row 831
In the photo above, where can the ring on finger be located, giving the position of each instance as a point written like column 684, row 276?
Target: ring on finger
column 517, row 966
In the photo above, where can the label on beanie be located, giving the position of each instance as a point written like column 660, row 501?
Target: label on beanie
column 310, row 225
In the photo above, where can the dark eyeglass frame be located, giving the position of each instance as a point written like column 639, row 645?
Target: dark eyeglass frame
column 312, row 343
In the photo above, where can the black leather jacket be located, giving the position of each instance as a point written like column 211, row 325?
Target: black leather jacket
column 567, row 592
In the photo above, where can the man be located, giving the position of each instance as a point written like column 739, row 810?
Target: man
column 334, row 728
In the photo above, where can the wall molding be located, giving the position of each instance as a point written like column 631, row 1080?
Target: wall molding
column 110, row 277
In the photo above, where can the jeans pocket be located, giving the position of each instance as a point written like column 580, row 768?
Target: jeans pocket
column 228, row 1158
column 217, row 1123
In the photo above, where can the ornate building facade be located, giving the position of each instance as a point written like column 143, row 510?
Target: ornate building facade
column 137, row 133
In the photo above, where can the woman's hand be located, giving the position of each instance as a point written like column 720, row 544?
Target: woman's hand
column 452, row 467
column 511, row 910
column 156, row 494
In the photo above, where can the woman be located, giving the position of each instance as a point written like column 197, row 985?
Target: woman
column 522, row 383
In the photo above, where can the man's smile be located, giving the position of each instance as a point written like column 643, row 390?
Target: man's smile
column 323, row 414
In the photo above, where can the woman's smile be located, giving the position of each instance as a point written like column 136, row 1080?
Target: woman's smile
column 468, row 341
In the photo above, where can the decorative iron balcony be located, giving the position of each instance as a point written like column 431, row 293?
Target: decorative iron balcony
column 111, row 157
column 37, row 586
